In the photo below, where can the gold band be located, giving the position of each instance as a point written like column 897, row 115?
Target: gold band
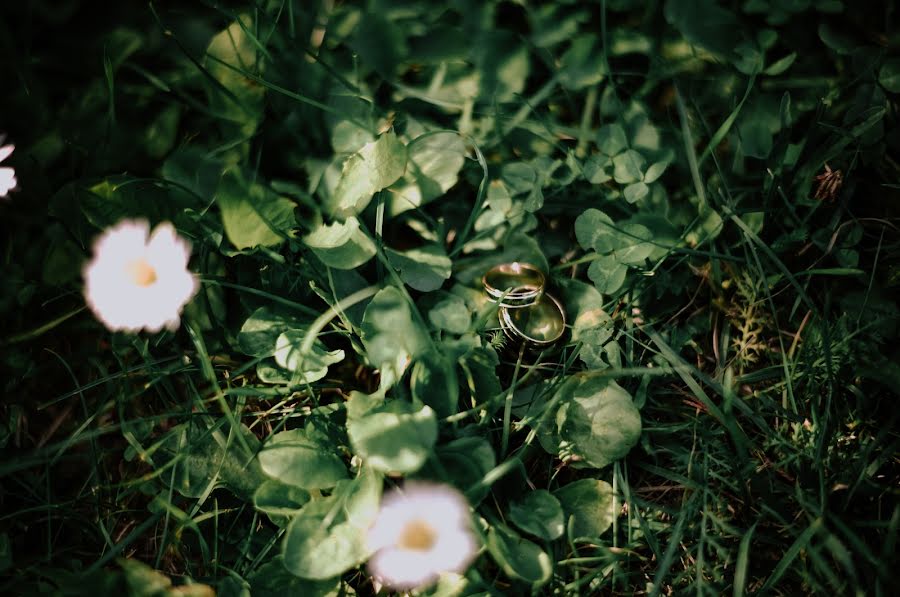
column 539, row 326
column 514, row 285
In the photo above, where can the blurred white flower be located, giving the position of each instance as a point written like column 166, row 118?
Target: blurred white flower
column 7, row 175
column 421, row 531
column 132, row 284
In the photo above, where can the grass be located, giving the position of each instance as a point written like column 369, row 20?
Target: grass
column 757, row 341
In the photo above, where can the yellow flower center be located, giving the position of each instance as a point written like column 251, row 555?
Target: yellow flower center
column 418, row 535
column 141, row 272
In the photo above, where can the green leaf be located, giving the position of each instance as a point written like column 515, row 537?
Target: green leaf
column 316, row 550
column 379, row 43
column 596, row 230
column 703, row 23
column 279, row 501
column 635, row 244
column 143, row 581
column 596, row 169
column 308, row 367
column 292, row 458
column 588, row 505
column 519, row 558
column 781, row 65
column 194, row 169
column 391, row 336
column 584, row 305
column 889, row 75
column 272, row 579
column 466, row 461
column 839, row 41
column 341, row 245
column 433, row 382
column 503, row 62
column 611, row 139
column 114, row 198
column 209, row 457
column 636, row 191
column 607, row 274
column 435, row 160
column 599, row 421
column 239, row 100
column 259, row 334
column 538, row 513
column 327, row 537
column 655, row 171
column 707, row 228
column 519, row 177
column 451, row 314
column 480, row 367
column 394, row 437
column 582, row 64
column 374, row 167
column 628, row 167
column 425, row 268
column 252, row 214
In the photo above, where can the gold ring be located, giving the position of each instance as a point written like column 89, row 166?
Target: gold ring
column 539, row 325
column 514, row 285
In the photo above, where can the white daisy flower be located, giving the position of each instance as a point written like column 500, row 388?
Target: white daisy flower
column 132, row 283
column 421, row 531
column 7, row 175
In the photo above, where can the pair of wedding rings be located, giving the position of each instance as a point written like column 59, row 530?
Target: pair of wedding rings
column 527, row 313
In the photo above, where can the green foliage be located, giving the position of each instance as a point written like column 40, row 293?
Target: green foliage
column 377, row 165
column 710, row 190
column 588, row 506
column 519, row 558
column 290, row 457
column 538, row 513
column 327, row 536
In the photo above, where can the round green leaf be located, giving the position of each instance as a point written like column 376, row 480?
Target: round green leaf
column 607, row 274
column 636, row 191
column 519, row 558
column 309, row 367
column 342, row 245
column 451, row 314
column 601, row 423
column 279, row 501
column 259, row 334
column 538, row 513
column 628, row 167
column 377, row 165
column 252, row 214
column 394, row 437
column 587, row 504
column 425, row 268
column 313, row 550
column 435, row 160
column 292, row 458
column 390, row 334
column 596, row 230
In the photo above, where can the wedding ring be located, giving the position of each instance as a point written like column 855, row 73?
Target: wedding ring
column 539, row 325
column 514, row 285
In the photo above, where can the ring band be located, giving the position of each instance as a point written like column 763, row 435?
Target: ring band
column 539, row 326
column 514, row 285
